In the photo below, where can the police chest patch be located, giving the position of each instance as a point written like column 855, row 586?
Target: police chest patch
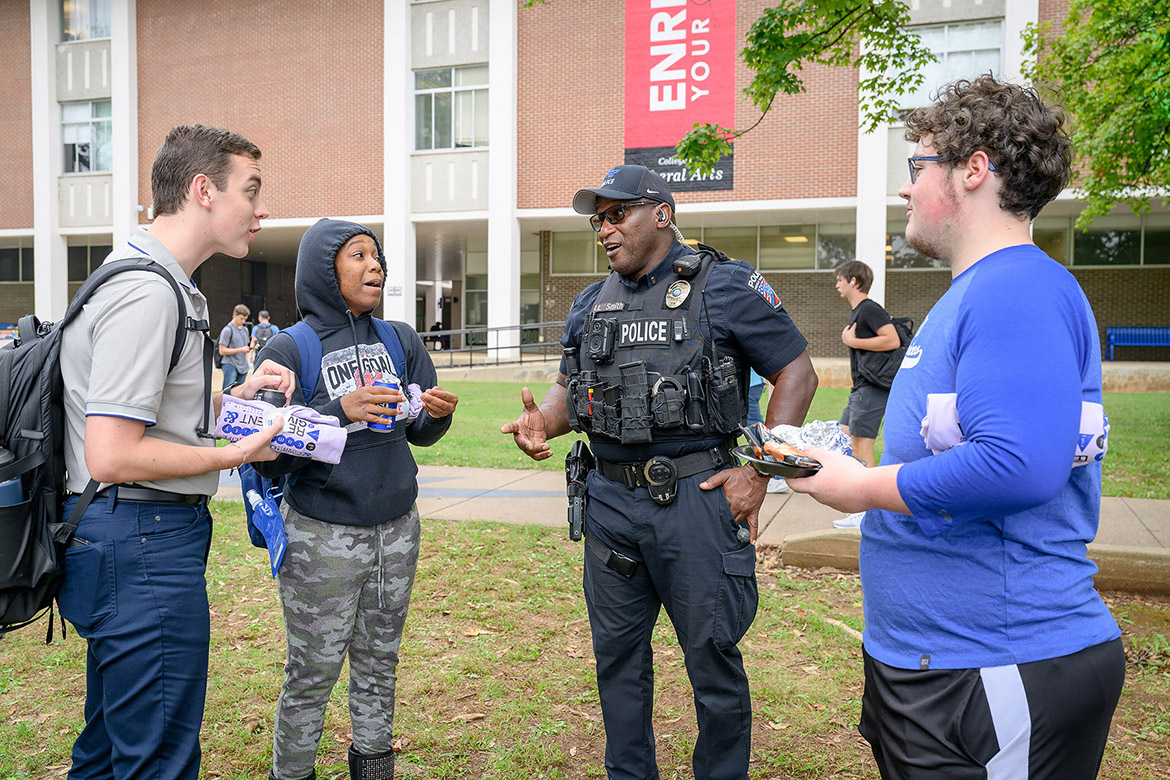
column 760, row 285
column 638, row 333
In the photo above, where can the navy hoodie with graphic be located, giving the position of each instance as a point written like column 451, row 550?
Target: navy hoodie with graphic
column 376, row 478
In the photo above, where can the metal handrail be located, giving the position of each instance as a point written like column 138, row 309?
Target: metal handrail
column 476, row 347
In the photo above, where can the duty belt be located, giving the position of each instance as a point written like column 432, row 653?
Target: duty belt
column 635, row 475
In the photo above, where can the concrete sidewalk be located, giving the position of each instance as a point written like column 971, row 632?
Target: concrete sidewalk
column 1132, row 548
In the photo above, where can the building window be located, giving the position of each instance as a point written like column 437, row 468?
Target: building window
column 575, row 253
column 1054, row 236
column 836, row 243
column 85, row 131
column 83, row 20
column 16, row 262
column 1156, row 239
column 738, row 243
column 84, row 260
column 963, row 50
column 787, row 247
column 1121, row 239
column 451, row 108
column 766, row 247
column 1109, row 241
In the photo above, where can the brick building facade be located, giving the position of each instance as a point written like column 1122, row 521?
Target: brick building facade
column 459, row 130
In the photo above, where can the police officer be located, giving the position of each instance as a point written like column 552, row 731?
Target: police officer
column 655, row 371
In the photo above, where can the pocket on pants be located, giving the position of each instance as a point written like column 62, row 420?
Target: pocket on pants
column 89, row 595
column 738, row 596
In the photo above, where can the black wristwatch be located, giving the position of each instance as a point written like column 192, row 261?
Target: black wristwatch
column 228, row 390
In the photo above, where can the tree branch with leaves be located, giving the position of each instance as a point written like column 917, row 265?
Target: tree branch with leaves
column 870, row 36
column 1109, row 68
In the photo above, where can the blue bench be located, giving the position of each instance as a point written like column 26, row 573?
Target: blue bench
column 1136, row 337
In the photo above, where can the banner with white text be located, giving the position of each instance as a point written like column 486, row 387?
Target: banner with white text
column 680, row 69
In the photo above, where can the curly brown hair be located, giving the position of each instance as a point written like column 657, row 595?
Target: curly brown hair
column 1019, row 132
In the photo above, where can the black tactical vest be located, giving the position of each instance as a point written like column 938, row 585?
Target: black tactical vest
column 645, row 373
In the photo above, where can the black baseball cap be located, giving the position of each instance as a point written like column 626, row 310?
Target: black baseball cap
column 625, row 182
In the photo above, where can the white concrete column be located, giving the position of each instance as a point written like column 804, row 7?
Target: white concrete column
column 50, row 290
column 1017, row 15
column 872, row 161
column 398, row 239
column 503, row 226
column 124, row 106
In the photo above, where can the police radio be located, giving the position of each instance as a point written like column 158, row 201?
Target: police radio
column 687, row 265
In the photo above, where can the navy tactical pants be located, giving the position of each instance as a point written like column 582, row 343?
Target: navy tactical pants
column 138, row 596
column 695, row 567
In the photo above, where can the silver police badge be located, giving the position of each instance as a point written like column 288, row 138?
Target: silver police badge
column 677, row 293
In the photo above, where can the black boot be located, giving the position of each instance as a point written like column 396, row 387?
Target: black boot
column 379, row 766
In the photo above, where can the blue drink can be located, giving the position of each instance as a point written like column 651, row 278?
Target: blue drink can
column 387, row 426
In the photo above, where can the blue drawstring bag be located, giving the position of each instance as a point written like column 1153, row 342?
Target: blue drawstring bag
column 265, row 523
column 268, row 488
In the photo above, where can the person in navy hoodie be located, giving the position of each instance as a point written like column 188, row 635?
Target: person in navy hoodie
column 987, row 651
column 353, row 527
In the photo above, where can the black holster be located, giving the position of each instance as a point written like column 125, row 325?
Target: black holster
column 578, row 463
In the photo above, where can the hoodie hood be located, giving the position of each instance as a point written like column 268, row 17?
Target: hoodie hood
column 318, row 294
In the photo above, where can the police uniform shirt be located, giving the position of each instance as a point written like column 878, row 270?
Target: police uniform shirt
column 747, row 321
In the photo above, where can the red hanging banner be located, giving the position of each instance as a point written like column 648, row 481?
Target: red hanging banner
column 680, row 69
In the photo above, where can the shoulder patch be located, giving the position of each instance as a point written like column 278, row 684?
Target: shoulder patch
column 760, row 286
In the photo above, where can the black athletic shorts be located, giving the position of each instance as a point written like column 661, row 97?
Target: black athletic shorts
column 1044, row 720
column 864, row 411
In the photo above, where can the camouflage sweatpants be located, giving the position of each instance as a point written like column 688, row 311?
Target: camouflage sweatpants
column 344, row 588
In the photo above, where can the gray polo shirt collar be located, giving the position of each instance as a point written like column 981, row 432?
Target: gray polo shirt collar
column 142, row 242
column 147, row 244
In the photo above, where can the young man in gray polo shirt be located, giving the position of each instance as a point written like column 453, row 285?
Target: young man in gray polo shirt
column 234, row 344
column 134, row 583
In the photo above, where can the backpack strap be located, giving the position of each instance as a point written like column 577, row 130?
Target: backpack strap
column 106, row 270
column 389, row 336
column 309, row 347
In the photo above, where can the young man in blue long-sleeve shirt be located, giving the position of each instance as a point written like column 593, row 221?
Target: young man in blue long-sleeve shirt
column 987, row 651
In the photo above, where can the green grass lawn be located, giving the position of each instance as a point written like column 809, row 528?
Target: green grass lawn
column 497, row 679
column 1138, row 463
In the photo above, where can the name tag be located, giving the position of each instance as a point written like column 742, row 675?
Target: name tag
column 640, row 333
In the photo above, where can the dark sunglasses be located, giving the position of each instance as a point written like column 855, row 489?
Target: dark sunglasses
column 615, row 214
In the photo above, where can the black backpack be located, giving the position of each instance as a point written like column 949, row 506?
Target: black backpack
column 34, row 533
column 263, row 333
column 880, row 368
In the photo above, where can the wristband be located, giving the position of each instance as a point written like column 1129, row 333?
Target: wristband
column 241, row 449
column 228, row 390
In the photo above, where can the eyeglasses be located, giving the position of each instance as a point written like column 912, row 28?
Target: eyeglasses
column 936, row 158
column 615, row 214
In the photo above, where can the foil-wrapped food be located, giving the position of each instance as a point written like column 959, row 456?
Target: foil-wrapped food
column 771, row 454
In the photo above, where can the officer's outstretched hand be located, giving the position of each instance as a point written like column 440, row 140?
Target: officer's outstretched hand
column 528, row 429
column 745, row 491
